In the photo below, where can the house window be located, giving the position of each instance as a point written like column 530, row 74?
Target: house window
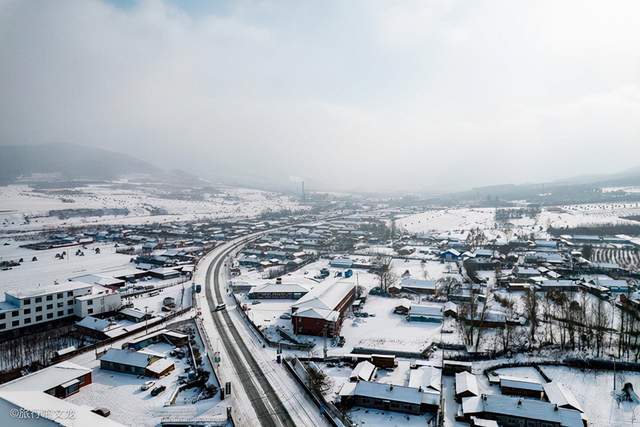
column 38, row 299
column 49, row 306
column 15, row 323
column 39, row 318
column 90, row 302
column 49, row 315
column 3, row 316
column 70, row 293
column 27, row 301
column 3, row 326
column 60, row 313
column 59, row 295
column 39, row 308
column 70, row 311
column 90, row 311
column 49, row 297
column 15, row 313
column 70, row 302
column 27, row 320
column 27, row 311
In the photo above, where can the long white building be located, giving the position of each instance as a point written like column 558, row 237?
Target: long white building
column 23, row 308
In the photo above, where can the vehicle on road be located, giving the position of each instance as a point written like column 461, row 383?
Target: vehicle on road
column 220, row 307
column 156, row 391
column 103, row 412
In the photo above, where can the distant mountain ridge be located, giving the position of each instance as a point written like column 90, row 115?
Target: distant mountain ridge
column 69, row 160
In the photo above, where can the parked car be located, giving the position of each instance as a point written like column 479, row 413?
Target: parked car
column 147, row 385
column 156, row 391
column 103, row 412
column 220, row 307
column 285, row 316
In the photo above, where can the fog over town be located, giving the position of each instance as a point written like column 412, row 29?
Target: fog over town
column 362, row 213
column 358, row 96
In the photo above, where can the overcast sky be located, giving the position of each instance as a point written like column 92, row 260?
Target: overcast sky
column 349, row 95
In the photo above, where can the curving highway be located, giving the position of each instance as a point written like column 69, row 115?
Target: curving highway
column 265, row 401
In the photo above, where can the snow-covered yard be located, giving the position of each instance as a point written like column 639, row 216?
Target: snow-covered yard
column 387, row 330
column 121, row 394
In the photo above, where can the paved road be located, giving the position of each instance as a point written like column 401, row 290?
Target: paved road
column 266, row 403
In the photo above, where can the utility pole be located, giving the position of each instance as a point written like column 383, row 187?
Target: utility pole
column 324, row 346
column 146, row 320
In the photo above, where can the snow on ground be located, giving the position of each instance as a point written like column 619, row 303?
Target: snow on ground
column 455, row 223
column 594, row 390
column 121, row 394
column 18, row 201
column 450, row 404
column 448, row 220
column 588, row 214
column 386, row 330
column 49, row 269
column 429, row 270
column 383, row 329
column 633, row 189
column 338, row 375
column 181, row 293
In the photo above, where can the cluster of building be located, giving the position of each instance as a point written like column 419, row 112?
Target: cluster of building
column 421, row 394
column 522, row 401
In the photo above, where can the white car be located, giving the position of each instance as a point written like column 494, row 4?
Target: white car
column 147, row 385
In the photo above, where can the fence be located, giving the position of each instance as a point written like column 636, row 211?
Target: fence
column 105, row 342
column 266, row 339
column 328, row 409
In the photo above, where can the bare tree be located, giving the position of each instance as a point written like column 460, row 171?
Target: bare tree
column 384, row 272
column 531, row 313
column 507, row 332
column 599, row 324
column 476, row 238
column 447, row 285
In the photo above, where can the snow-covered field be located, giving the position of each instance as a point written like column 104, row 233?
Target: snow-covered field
column 457, row 222
column 47, row 268
column 448, row 220
column 20, row 201
column 589, row 214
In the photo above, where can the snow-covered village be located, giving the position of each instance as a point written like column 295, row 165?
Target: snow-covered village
column 258, row 213
column 317, row 309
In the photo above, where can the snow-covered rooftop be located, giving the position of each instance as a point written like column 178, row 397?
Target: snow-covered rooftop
column 521, row 408
column 560, row 395
column 47, row 378
column 325, row 297
column 126, row 357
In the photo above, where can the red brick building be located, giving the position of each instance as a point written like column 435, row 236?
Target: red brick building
column 323, row 309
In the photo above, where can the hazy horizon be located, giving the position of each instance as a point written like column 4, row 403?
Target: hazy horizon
column 348, row 96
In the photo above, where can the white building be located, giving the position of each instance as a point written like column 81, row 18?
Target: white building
column 40, row 305
column 100, row 301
